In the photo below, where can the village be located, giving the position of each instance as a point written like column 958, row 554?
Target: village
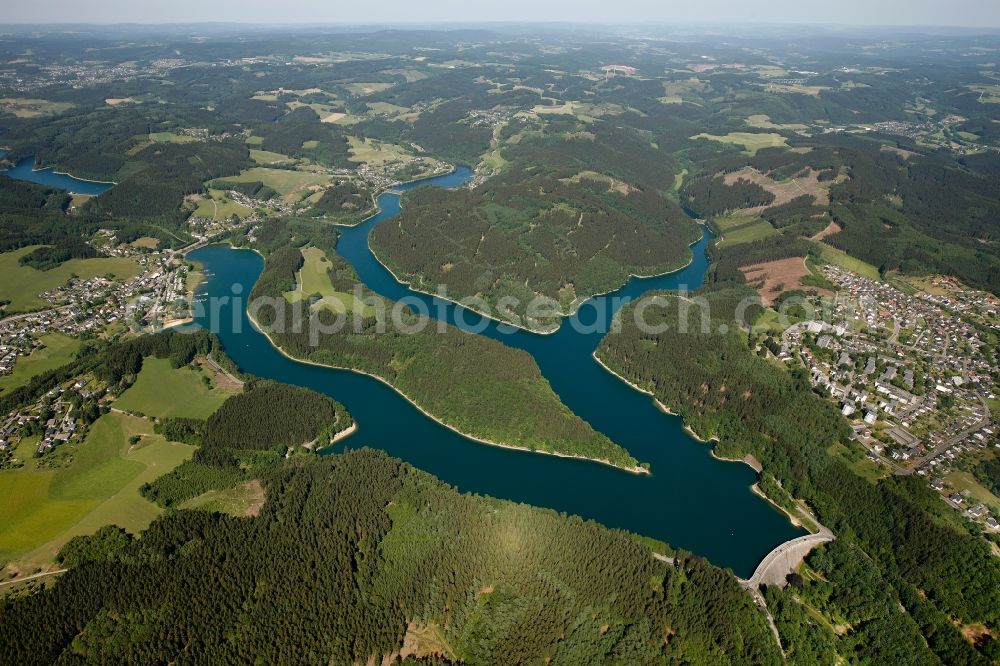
column 155, row 298
column 911, row 372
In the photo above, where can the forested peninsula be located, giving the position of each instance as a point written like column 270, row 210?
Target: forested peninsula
column 475, row 385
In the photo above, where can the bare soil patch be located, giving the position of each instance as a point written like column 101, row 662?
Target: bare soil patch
column 784, row 191
column 773, row 278
column 831, row 229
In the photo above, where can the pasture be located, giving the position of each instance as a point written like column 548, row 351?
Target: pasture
column 738, row 229
column 292, row 185
column 750, row 141
column 21, row 285
column 57, row 350
column 41, row 509
column 375, row 153
column 162, row 391
column 313, row 278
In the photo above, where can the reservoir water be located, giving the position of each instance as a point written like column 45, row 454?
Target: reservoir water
column 25, row 170
column 691, row 500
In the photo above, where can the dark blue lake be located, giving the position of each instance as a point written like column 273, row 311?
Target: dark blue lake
column 25, row 170
column 691, row 500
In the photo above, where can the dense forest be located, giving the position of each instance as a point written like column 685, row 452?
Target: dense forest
column 568, row 218
column 476, row 385
column 360, row 555
column 723, row 389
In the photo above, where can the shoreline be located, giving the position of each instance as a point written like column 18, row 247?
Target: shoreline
column 345, row 433
column 638, row 469
column 562, row 316
column 749, row 460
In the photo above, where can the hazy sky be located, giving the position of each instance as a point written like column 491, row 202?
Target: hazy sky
column 976, row 13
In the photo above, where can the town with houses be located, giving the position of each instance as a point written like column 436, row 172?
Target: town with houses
column 912, row 373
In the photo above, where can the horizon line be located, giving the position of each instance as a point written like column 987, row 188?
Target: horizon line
column 540, row 22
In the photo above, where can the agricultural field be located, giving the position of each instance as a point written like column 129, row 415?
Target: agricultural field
column 268, row 157
column 832, row 255
column 761, row 121
column 162, row 391
column 362, row 89
column 313, row 279
column 217, row 206
column 292, row 185
column 57, row 350
column 750, row 141
column 171, row 137
column 41, row 509
column 21, row 285
column 961, row 480
column 376, row 153
column 22, row 107
column 738, row 229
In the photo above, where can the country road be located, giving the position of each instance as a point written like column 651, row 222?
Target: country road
column 32, row 577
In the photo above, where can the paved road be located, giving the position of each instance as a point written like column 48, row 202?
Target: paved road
column 943, row 448
column 24, row 315
column 785, row 559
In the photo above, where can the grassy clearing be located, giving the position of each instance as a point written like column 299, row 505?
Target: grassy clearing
column 859, row 463
column 368, row 88
column 313, row 278
column 163, row 391
column 146, row 242
column 21, row 285
column 24, row 107
column 960, row 481
column 242, row 500
column 42, row 509
column 268, row 157
column 795, row 89
column 291, row 184
column 761, row 121
column 171, row 137
column 751, row 141
column 832, row 255
column 217, row 206
column 745, row 231
column 58, row 350
column 375, row 152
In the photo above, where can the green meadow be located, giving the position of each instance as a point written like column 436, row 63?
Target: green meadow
column 41, row 509
column 162, row 391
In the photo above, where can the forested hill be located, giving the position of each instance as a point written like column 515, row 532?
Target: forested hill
column 476, row 385
column 361, row 555
column 576, row 212
column 899, row 576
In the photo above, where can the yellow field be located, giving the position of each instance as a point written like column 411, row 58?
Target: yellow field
column 312, row 279
column 761, row 121
column 21, row 285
